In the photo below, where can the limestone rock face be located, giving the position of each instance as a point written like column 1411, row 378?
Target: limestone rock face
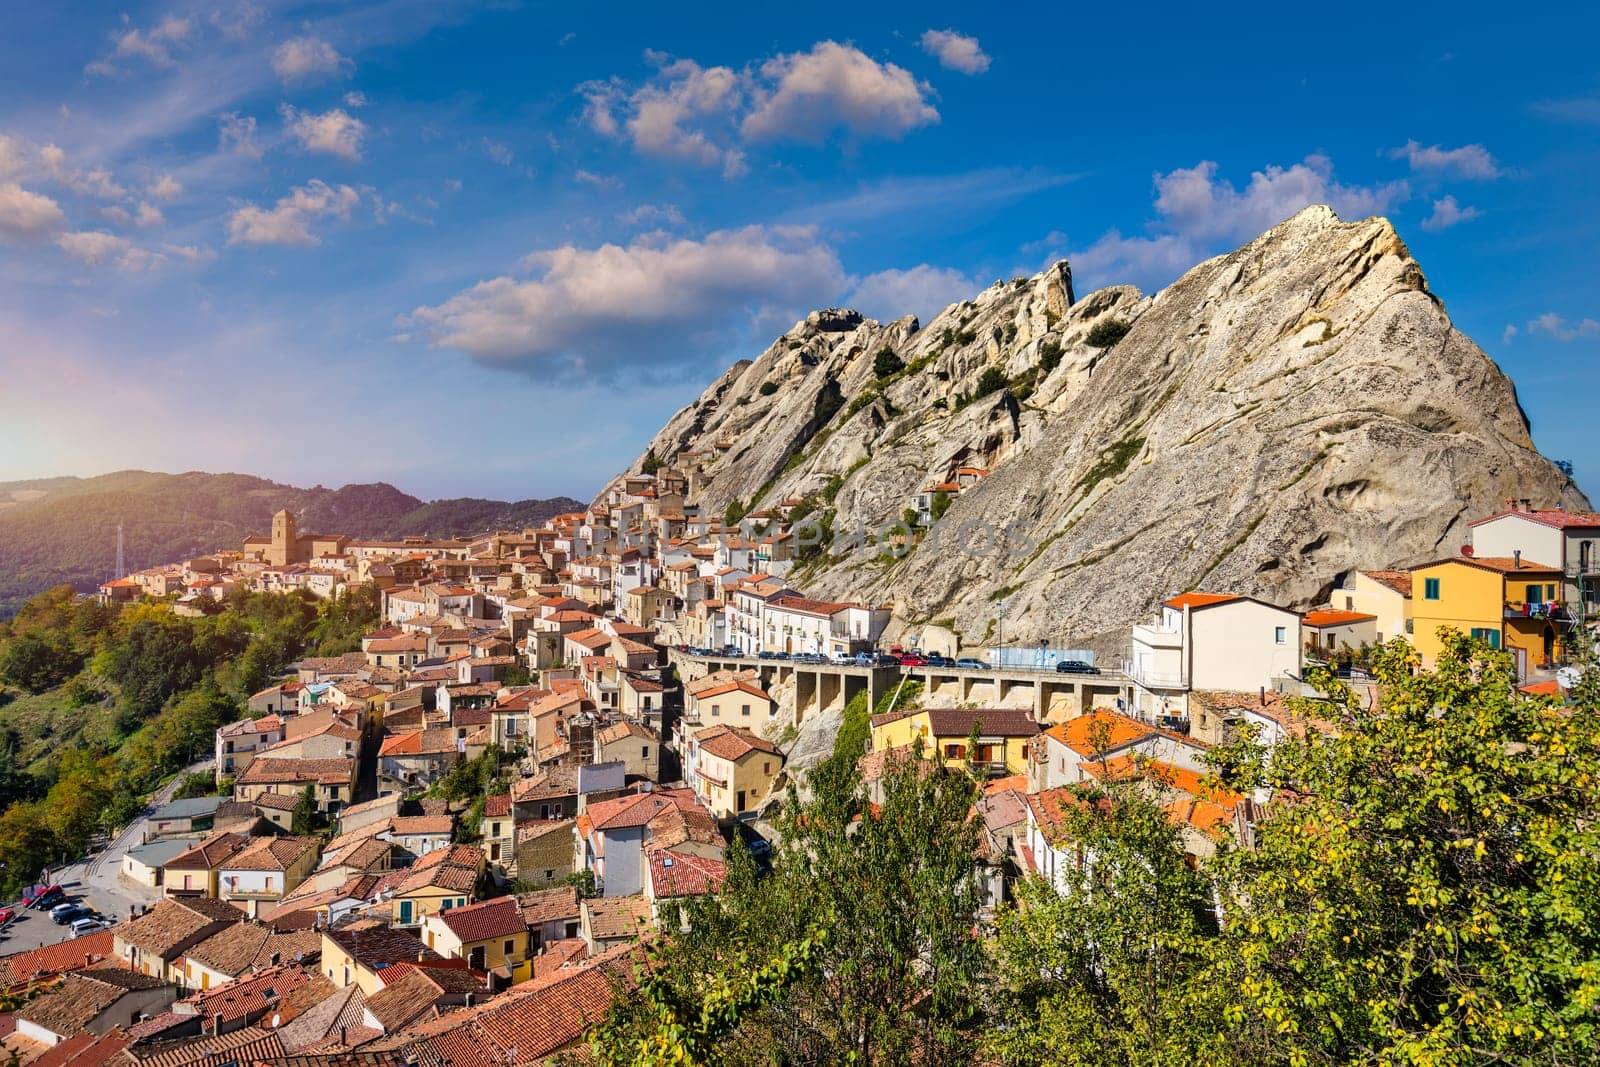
column 1277, row 417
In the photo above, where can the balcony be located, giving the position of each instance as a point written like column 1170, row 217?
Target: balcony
column 1555, row 611
column 1149, row 679
column 1155, row 637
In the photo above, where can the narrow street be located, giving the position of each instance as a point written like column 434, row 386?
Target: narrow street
column 94, row 880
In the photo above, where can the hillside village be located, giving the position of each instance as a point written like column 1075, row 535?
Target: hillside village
column 645, row 682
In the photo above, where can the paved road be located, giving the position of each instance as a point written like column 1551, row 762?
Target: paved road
column 94, row 881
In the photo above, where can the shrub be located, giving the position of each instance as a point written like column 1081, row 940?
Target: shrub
column 1049, row 354
column 992, row 380
column 768, row 388
column 887, row 362
column 1107, row 332
column 651, row 464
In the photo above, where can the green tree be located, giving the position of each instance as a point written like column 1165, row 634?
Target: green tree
column 886, row 362
column 1432, row 893
column 992, row 380
column 1105, row 968
column 898, row 976
column 304, row 818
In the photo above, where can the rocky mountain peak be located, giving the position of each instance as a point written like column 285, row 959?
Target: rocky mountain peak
column 1278, row 416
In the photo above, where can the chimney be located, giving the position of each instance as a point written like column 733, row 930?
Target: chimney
column 1263, row 696
column 1527, row 505
column 422, row 957
column 272, row 961
column 216, row 1024
column 1516, row 559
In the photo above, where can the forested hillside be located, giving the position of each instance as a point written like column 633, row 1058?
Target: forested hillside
column 64, row 530
column 99, row 704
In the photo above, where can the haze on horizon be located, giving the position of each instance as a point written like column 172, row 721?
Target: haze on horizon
column 484, row 249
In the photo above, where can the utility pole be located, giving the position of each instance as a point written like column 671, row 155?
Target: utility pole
column 122, row 567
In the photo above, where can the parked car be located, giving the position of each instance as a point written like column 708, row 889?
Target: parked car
column 72, row 912
column 34, row 893
column 48, row 899
column 90, row 925
column 911, row 659
column 764, row 654
column 1076, row 666
column 811, row 657
column 842, row 659
column 732, row 650
column 883, row 659
column 967, row 663
column 934, row 659
column 7, row 915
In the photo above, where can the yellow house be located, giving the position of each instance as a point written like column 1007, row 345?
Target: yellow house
column 1003, row 735
column 1506, row 601
column 488, row 935
column 733, row 769
column 443, row 879
column 354, row 953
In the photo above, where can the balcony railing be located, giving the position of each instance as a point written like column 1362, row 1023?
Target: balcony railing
column 1152, row 679
column 1555, row 610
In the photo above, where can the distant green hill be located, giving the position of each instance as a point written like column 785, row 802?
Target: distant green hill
column 64, row 530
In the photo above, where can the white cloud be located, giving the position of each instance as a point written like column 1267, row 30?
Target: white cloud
column 955, row 51
column 1200, row 214
column 657, row 303
column 355, row 99
column 236, row 24
column 832, row 88
column 94, row 248
column 237, row 134
column 1507, row 334
column 165, row 187
column 1468, row 161
column 599, row 181
column 1580, row 109
column 289, row 221
column 923, row 291
column 25, row 214
column 663, row 117
column 498, row 152
column 148, row 214
column 652, row 215
column 1446, row 213
column 11, row 157
column 335, row 132
column 700, row 115
column 96, row 182
column 1556, row 326
column 304, row 58
column 154, row 46
column 190, row 253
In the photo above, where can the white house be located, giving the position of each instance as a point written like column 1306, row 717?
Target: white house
column 1211, row 641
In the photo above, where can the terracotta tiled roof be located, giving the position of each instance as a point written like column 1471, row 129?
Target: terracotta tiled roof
column 682, row 874
column 172, row 926
column 991, row 722
column 1399, row 581
column 272, row 854
column 210, row 853
column 548, row 905
column 375, row 945
column 68, row 1008
column 1100, row 731
column 615, row 918
column 500, row 917
column 1561, row 520
column 53, row 959
column 734, row 742
column 272, row 771
column 497, row 806
column 1502, row 564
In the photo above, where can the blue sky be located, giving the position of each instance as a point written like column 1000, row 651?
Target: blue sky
column 486, row 249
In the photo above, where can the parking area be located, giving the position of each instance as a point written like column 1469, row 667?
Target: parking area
column 30, row 928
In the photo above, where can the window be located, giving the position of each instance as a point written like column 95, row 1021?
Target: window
column 1430, row 589
column 1536, row 594
column 955, row 751
column 744, row 709
column 1550, row 591
column 644, row 752
column 1486, row 635
column 511, row 946
column 1280, row 634
column 716, row 709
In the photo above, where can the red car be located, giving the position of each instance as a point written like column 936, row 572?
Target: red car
column 6, row 915
column 38, row 895
column 912, row 659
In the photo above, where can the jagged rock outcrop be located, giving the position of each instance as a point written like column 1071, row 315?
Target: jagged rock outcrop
column 1277, row 417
